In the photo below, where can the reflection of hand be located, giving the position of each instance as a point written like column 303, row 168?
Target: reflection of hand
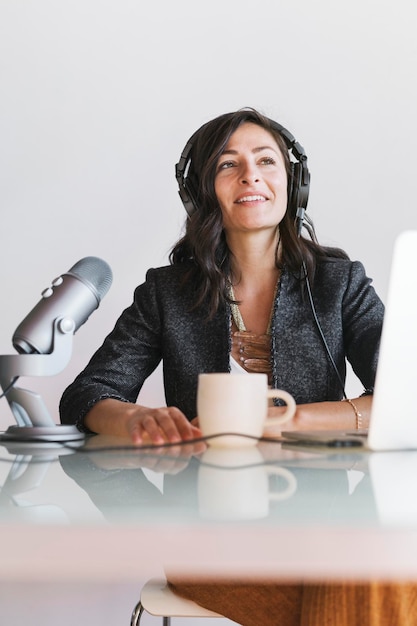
column 167, row 460
column 172, row 460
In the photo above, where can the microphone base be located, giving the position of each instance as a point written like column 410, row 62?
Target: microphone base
column 42, row 434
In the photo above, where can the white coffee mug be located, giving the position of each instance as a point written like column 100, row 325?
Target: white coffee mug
column 237, row 403
column 233, row 484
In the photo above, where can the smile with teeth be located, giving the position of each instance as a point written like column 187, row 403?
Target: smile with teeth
column 252, row 199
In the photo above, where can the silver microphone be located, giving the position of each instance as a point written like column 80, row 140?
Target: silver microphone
column 73, row 296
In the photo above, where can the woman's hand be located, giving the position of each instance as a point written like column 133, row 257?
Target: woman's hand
column 140, row 424
column 325, row 415
column 160, row 425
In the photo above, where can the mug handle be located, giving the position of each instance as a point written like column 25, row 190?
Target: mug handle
column 291, row 486
column 289, row 401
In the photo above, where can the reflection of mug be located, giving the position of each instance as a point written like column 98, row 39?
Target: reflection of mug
column 233, row 484
column 238, row 404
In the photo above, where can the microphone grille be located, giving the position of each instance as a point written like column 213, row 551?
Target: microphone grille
column 94, row 271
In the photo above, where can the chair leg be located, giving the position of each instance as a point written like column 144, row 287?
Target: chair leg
column 137, row 614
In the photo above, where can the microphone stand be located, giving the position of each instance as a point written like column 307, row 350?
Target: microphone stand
column 34, row 422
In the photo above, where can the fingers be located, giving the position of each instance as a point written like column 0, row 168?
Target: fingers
column 195, row 422
column 166, row 424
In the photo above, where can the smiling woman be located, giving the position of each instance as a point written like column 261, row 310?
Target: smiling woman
column 246, row 291
column 236, row 297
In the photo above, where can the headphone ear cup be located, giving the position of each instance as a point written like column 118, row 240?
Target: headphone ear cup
column 298, row 187
column 294, row 188
column 187, row 199
column 185, row 186
column 189, row 188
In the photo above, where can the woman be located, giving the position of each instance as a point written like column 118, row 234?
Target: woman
column 245, row 291
column 236, row 297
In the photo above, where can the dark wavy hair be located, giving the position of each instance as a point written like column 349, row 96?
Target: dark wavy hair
column 204, row 246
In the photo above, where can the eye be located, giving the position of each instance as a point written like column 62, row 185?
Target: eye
column 267, row 160
column 225, row 165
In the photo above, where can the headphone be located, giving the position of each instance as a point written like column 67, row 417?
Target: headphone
column 299, row 179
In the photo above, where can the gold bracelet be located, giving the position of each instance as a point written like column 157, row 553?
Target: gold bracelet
column 358, row 415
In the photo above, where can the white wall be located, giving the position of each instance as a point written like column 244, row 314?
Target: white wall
column 97, row 99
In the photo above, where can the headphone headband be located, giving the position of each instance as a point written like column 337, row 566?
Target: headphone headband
column 299, row 182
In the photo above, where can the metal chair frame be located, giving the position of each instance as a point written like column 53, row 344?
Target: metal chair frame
column 157, row 599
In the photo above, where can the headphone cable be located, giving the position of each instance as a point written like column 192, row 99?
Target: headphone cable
column 320, row 330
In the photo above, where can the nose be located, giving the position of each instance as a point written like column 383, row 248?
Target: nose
column 249, row 174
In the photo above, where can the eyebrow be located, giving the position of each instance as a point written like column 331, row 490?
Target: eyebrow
column 255, row 150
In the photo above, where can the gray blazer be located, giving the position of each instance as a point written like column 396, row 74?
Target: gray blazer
column 161, row 325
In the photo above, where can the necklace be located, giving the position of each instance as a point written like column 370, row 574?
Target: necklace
column 237, row 316
column 254, row 350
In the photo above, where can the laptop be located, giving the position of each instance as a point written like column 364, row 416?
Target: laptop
column 393, row 423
